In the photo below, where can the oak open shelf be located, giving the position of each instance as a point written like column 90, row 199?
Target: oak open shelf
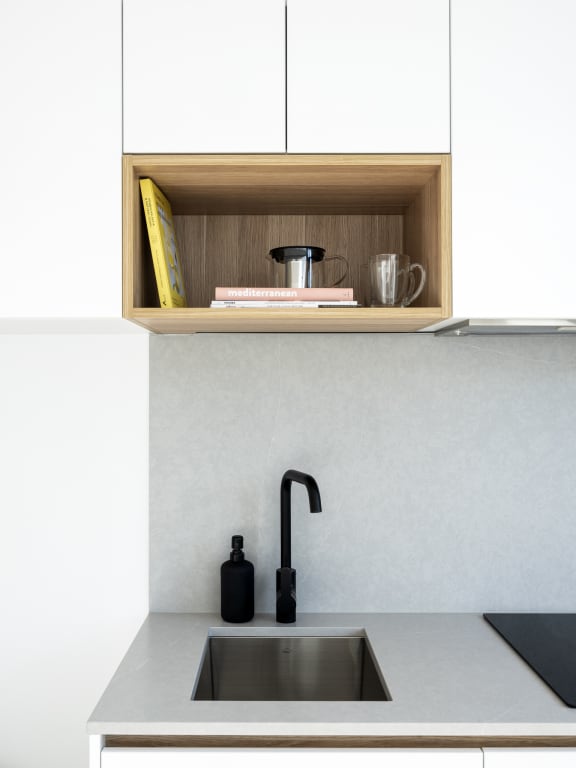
column 230, row 210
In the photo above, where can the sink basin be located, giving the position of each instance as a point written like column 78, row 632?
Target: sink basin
column 289, row 668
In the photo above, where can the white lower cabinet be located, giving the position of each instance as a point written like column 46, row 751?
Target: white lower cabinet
column 254, row 758
column 556, row 757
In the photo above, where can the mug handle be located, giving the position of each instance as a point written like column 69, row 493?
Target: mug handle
column 344, row 274
column 413, row 294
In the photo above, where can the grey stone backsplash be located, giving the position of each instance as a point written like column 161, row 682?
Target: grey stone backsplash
column 446, row 467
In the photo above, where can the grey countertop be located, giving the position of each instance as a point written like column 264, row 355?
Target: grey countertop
column 448, row 675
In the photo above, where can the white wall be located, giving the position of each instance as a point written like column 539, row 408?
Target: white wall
column 73, row 533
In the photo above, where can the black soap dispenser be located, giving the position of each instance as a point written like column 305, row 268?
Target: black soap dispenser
column 237, row 585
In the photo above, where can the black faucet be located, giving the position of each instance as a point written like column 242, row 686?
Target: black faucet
column 286, row 575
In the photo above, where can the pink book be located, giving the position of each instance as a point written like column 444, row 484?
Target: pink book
column 284, row 294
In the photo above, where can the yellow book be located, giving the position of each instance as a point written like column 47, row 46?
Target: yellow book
column 163, row 245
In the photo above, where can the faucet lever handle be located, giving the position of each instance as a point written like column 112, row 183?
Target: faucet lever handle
column 285, row 595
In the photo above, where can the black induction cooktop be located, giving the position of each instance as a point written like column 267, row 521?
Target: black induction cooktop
column 547, row 642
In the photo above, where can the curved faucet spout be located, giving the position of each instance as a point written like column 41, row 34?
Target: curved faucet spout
column 286, row 575
column 290, row 476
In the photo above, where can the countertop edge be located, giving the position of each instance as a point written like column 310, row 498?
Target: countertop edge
column 345, row 730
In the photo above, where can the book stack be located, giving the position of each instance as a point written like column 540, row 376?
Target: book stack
column 284, row 298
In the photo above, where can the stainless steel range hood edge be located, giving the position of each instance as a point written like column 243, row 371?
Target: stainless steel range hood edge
column 503, row 327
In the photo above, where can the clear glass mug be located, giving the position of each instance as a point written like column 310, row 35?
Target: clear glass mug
column 392, row 280
column 302, row 266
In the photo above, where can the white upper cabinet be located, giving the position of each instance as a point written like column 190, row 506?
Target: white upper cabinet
column 61, row 129
column 368, row 76
column 204, row 76
column 513, row 159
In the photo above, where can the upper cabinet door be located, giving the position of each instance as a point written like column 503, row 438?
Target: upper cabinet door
column 61, row 195
column 368, row 76
column 513, row 159
column 204, row 76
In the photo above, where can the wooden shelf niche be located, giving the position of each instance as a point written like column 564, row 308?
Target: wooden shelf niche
column 230, row 210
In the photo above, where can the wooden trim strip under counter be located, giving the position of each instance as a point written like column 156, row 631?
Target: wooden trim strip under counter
column 341, row 742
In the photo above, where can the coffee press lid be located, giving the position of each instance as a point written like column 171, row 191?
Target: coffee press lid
column 288, row 252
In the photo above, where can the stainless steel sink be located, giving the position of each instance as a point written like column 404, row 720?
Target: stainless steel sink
column 289, row 668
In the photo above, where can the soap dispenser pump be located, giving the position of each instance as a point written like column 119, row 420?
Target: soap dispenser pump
column 237, row 585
